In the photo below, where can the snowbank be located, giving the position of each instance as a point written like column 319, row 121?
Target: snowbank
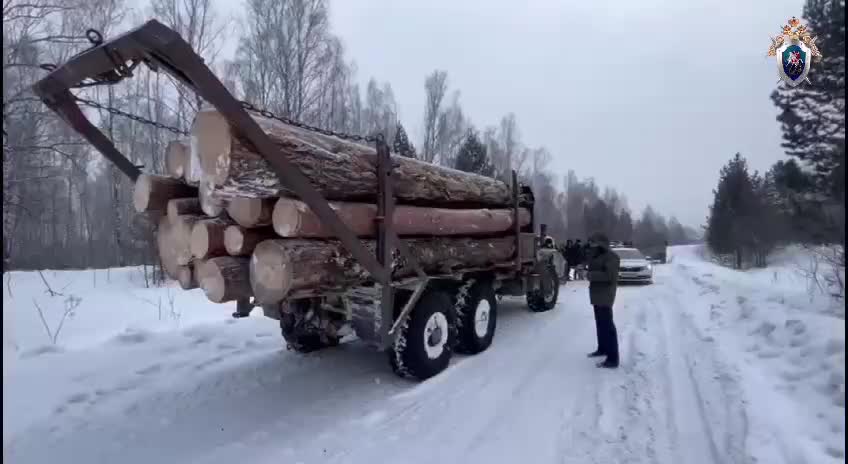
column 786, row 339
column 101, row 304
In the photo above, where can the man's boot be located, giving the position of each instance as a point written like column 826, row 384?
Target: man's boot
column 608, row 364
column 596, row 353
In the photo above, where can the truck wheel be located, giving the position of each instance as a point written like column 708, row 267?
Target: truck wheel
column 545, row 297
column 423, row 345
column 476, row 316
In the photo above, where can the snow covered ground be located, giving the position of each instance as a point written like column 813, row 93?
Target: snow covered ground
column 718, row 366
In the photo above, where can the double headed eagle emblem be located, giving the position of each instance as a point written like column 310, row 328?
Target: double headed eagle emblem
column 793, row 49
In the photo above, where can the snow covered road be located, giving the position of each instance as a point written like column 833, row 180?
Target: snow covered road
column 712, row 372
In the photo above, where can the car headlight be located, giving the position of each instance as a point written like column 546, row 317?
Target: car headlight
column 649, row 267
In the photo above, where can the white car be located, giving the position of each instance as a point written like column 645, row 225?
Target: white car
column 633, row 266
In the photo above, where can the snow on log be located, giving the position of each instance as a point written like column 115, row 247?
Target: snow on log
column 251, row 212
column 152, row 193
column 281, row 266
column 240, row 241
column 339, row 169
column 207, row 238
column 293, row 218
column 224, row 278
column 183, row 206
column 176, row 158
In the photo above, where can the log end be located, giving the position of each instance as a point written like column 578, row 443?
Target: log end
column 185, row 277
column 176, row 156
column 234, row 240
column 271, row 272
column 199, row 241
column 224, row 278
column 142, row 193
column 287, row 217
column 210, row 279
column 211, row 136
column 251, row 212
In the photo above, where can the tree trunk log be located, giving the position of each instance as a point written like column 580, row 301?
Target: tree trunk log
column 176, row 158
column 251, row 212
column 178, row 244
column 211, row 204
column 339, row 169
column 224, row 278
column 293, row 218
column 193, row 172
column 186, row 278
column 152, row 193
column 183, row 206
column 279, row 267
column 240, row 241
column 207, row 238
column 167, row 257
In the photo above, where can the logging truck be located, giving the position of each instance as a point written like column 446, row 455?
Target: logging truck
column 328, row 233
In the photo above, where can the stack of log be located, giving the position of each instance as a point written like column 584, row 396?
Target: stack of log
column 229, row 226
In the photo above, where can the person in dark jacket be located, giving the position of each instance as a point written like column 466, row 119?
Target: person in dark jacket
column 579, row 259
column 603, row 283
column 568, row 254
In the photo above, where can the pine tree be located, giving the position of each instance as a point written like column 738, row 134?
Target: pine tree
column 812, row 115
column 732, row 214
column 472, row 156
column 401, row 144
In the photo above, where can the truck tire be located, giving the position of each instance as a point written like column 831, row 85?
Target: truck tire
column 424, row 343
column 476, row 316
column 545, row 297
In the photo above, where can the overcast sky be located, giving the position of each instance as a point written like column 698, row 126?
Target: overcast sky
column 650, row 97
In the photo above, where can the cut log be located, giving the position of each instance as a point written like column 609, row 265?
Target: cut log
column 178, row 245
column 293, row 218
column 152, row 193
column 176, row 158
column 281, row 266
column 211, row 204
column 339, row 169
column 207, row 238
column 240, row 241
column 167, row 257
column 183, row 206
column 186, row 278
column 193, row 171
column 224, row 278
column 251, row 212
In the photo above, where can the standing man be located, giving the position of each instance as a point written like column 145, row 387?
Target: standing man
column 603, row 282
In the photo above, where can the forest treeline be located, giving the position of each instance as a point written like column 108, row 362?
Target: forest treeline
column 65, row 207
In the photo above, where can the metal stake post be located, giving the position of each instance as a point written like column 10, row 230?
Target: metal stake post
column 385, row 212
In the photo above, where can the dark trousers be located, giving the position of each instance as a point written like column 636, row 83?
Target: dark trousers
column 607, row 335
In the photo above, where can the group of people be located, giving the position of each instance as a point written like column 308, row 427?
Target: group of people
column 576, row 255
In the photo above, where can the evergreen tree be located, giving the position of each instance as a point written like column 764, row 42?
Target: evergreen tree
column 812, row 115
column 732, row 214
column 472, row 156
column 624, row 226
column 676, row 232
column 401, row 144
